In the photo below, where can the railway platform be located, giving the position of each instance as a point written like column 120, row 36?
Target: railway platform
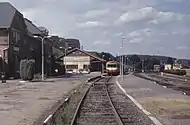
column 25, row 103
column 168, row 106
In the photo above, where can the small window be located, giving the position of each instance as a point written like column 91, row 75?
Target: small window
column 72, row 66
column 17, row 36
column 85, row 66
column 14, row 35
column 112, row 65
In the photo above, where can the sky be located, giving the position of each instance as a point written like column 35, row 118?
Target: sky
column 156, row 27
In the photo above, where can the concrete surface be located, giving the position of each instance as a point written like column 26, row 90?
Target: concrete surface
column 169, row 106
column 23, row 103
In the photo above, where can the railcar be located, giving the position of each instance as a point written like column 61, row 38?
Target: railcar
column 112, row 68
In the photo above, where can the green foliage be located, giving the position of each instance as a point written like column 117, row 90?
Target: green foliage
column 170, row 61
column 149, row 63
column 27, row 69
column 30, row 69
column 23, row 65
column 107, row 56
column 135, row 59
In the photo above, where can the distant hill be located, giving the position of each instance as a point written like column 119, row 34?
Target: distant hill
column 145, row 57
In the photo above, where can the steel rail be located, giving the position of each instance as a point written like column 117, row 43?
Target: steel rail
column 119, row 120
column 80, row 103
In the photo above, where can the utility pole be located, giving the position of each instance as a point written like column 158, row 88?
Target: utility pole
column 120, row 65
column 42, row 40
column 122, row 49
column 103, row 64
column 142, row 65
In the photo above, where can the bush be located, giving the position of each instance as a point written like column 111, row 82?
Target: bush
column 30, row 69
column 23, row 73
column 27, row 69
column 176, row 72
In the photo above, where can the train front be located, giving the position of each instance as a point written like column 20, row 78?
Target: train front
column 112, row 68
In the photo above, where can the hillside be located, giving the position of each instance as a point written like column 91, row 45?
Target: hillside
column 145, row 57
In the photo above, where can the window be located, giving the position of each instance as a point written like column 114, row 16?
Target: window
column 71, row 66
column 85, row 66
column 112, row 65
column 15, row 36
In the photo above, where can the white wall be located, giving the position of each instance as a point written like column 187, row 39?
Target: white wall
column 188, row 72
column 77, row 60
column 167, row 67
column 73, row 60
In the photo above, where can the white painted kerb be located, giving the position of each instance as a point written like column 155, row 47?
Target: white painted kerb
column 155, row 121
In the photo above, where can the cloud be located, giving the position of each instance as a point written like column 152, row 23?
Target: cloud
column 119, row 34
column 97, row 13
column 183, row 48
column 101, row 42
column 136, row 40
column 140, row 14
column 30, row 13
column 151, row 15
column 148, row 25
column 49, row 0
column 141, row 36
column 90, row 24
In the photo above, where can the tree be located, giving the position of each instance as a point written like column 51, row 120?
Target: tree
column 107, row 56
column 27, row 69
column 170, row 61
column 135, row 59
column 150, row 62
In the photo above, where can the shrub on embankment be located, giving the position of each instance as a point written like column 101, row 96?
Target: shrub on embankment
column 27, row 69
column 176, row 72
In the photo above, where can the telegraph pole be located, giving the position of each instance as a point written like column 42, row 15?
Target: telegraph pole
column 142, row 65
column 122, row 49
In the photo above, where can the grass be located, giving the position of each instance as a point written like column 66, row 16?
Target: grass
column 65, row 113
column 171, row 108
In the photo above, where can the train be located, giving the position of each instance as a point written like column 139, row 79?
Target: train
column 112, row 68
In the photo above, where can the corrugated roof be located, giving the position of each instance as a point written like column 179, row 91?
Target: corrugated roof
column 77, row 49
column 7, row 12
column 32, row 28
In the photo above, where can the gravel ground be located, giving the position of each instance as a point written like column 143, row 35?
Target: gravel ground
column 24, row 103
column 127, row 110
column 176, row 84
column 169, row 106
column 177, row 76
column 96, row 108
column 170, row 78
column 65, row 112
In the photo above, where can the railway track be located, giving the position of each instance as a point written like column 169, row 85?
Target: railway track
column 186, row 78
column 170, row 78
column 176, row 84
column 96, row 107
column 101, row 105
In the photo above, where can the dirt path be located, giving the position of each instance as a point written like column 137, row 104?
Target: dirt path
column 23, row 103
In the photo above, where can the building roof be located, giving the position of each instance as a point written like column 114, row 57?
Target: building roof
column 93, row 53
column 77, row 49
column 57, row 52
column 32, row 29
column 7, row 13
column 44, row 30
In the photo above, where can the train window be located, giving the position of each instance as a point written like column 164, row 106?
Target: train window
column 112, row 65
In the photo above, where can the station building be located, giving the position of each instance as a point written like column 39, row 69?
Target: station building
column 79, row 61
